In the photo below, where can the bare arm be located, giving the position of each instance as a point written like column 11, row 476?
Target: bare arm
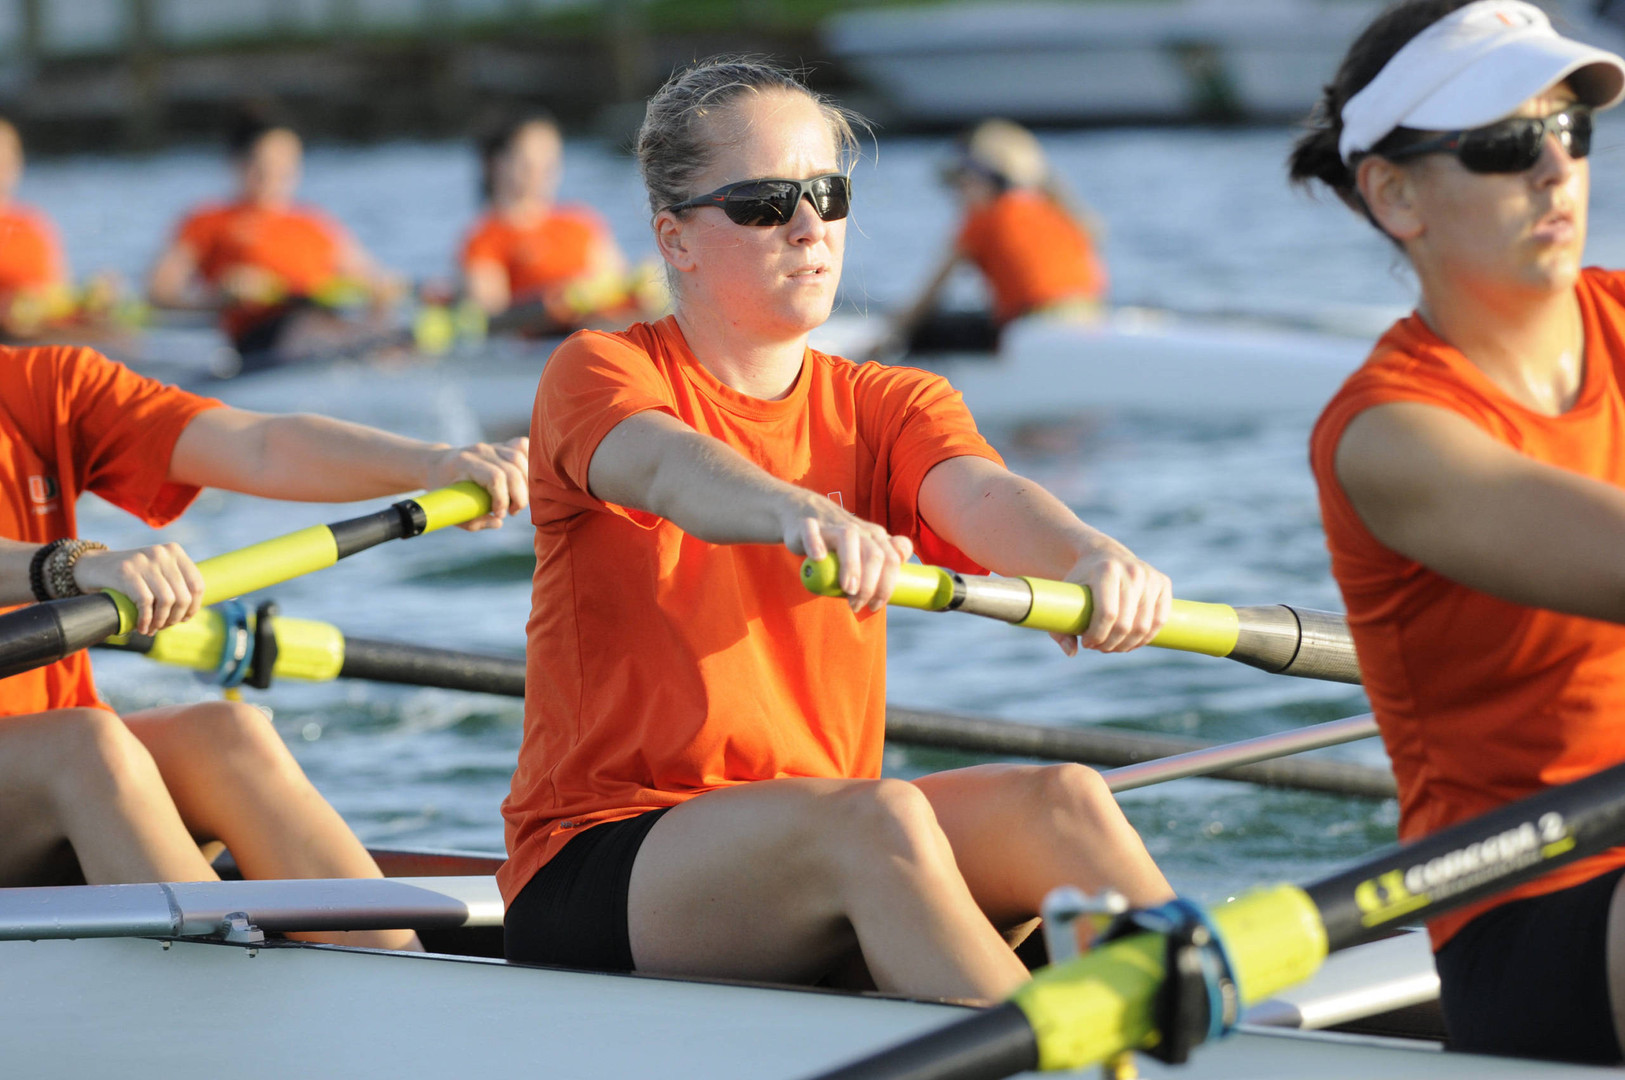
column 1013, row 526
column 174, row 281
column 1439, row 490
column 654, row 462
column 317, row 459
column 487, row 285
column 384, row 287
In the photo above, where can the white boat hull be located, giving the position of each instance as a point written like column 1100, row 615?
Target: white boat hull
column 141, row 1010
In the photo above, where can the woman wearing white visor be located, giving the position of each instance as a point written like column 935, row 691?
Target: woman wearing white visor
column 1471, row 477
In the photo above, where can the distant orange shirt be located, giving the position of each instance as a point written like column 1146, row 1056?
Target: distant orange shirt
column 553, row 250
column 660, row 666
column 71, row 421
column 302, row 247
column 1032, row 254
column 30, row 253
column 1483, row 701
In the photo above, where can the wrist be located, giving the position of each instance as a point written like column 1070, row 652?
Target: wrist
column 436, row 456
column 58, row 567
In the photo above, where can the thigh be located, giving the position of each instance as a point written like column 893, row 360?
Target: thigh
column 1531, row 977
column 34, row 848
column 740, row 882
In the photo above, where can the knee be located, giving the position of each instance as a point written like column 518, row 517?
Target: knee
column 887, row 817
column 1074, row 791
column 231, row 733
column 97, row 755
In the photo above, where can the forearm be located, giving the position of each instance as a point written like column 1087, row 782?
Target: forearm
column 712, row 492
column 299, row 457
column 1006, row 522
column 15, row 556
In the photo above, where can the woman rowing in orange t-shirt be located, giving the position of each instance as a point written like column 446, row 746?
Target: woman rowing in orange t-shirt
column 276, row 271
column 535, row 266
column 698, row 790
column 1472, row 484
column 1034, row 250
column 86, row 794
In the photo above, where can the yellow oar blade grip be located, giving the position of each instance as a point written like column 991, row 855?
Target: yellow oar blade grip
column 127, row 611
column 1057, row 606
column 1064, row 608
column 461, row 502
column 1095, row 1007
column 929, row 588
column 267, row 563
column 271, row 562
column 307, row 650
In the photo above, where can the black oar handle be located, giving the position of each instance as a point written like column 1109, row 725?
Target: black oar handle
column 1472, row 860
column 990, row 1045
column 42, row 634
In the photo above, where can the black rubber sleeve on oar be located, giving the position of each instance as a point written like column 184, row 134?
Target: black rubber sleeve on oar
column 42, row 634
column 1474, row 859
column 989, row 1045
column 388, row 661
column 398, row 522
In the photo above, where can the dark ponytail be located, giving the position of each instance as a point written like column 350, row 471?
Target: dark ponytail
column 1315, row 156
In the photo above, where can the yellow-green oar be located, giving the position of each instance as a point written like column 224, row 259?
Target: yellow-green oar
column 236, row 646
column 1182, row 975
column 44, row 633
column 1286, row 640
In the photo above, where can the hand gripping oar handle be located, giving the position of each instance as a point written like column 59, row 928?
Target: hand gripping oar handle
column 1285, row 640
column 1107, row 1001
column 44, row 633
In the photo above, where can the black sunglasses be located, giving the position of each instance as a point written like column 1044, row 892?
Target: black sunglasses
column 774, row 201
column 1508, row 146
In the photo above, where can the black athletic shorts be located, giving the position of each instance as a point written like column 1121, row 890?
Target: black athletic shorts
column 573, row 912
column 1530, row 978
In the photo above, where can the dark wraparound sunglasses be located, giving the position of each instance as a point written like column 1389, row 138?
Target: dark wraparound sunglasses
column 1508, row 146
column 773, row 201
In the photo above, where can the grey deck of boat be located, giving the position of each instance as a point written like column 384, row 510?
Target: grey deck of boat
column 137, row 1010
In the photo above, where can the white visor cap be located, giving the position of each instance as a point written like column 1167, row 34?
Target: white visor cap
column 1474, row 67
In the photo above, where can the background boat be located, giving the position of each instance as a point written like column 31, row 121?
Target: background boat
column 1039, row 62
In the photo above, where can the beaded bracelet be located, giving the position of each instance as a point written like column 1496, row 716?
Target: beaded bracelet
column 36, row 569
column 59, row 567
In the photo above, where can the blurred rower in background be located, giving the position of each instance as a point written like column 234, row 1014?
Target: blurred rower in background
column 36, row 287
column 535, row 266
column 1032, row 242
column 278, row 273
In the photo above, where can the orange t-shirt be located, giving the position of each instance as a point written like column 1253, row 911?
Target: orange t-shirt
column 1032, row 253
column 1482, row 701
column 555, row 249
column 30, row 253
column 300, row 246
column 71, row 421
column 660, row 666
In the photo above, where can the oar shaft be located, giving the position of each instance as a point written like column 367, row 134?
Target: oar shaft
column 1287, row 641
column 44, row 633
